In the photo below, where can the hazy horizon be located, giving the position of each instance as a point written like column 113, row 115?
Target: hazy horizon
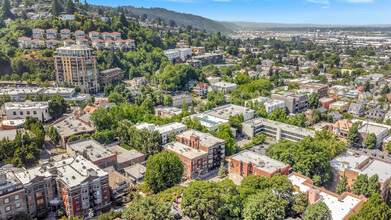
column 337, row 12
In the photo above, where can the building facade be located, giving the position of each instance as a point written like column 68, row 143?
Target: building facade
column 75, row 65
column 20, row 110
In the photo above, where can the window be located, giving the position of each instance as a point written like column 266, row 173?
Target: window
column 14, row 113
column 17, row 205
column 7, row 209
column 28, row 112
column 17, row 197
column 34, row 112
column 7, row 200
column 21, row 113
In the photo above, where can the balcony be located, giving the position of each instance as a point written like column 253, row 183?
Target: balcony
column 97, row 201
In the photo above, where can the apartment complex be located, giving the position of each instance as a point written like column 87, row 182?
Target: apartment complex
column 353, row 164
column 93, row 151
column 12, row 195
column 195, row 162
column 276, row 130
column 72, row 126
column 223, row 86
column 320, row 89
column 75, row 65
column 295, row 103
column 209, row 121
column 213, row 146
column 164, row 130
column 109, row 76
column 248, row 163
column 178, row 100
column 74, row 184
column 341, row 206
column 225, row 111
column 20, row 110
column 270, row 104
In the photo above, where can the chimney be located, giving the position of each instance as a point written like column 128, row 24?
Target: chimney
column 313, row 195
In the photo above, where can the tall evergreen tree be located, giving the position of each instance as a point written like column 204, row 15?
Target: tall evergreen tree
column 56, row 7
column 341, row 186
column 6, row 9
column 70, row 7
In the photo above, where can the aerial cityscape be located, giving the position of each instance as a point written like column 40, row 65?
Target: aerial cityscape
column 195, row 109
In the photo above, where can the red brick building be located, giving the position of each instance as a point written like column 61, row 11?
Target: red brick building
column 195, row 162
column 325, row 102
column 215, row 147
column 248, row 163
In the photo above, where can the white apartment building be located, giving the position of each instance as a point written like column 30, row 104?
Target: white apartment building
column 164, row 130
column 223, row 86
column 270, row 104
column 20, row 110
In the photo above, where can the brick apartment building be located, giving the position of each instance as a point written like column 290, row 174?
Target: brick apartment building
column 73, row 184
column 320, row 89
column 215, row 147
column 248, row 163
column 12, row 196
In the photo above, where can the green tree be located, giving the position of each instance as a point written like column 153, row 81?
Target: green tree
column 28, row 97
column 353, row 135
column 313, row 100
column 101, row 119
column 374, row 208
column 264, row 205
column 184, row 107
column 342, row 186
column 148, row 106
column 6, row 10
column 163, row 171
column 222, row 171
column 388, row 147
column 115, row 98
column 168, row 100
column 385, row 90
column 224, row 132
column 149, row 207
column 202, row 200
column 370, row 141
column 300, row 203
column 317, row 211
column 57, row 106
column 56, row 7
column 70, row 7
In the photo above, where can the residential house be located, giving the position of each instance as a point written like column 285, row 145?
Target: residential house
column 37, row 44
column 375, row 113
column 201, row 89
column 116, row 35
column 110, row 44
column 79, row 34
column 24, row 42
column 52, row 43
column 82, row 42
column 356, row 109
column 106, row 36
column 342, row 127
column 339, row 106
column 68, row 42
column 223, row 86
column 93, row 35
column 38, row 32
column 51, row 34
column 65, row 34
column 325, row 102
column 99, row 44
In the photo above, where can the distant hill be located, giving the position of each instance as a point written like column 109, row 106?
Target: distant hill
column 180, row 19
column 242, row 25
column 225, row 27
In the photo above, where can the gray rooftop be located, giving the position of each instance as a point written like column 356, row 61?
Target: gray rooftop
column 205, row 139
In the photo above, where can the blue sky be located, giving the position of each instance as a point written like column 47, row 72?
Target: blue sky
column 281, row 11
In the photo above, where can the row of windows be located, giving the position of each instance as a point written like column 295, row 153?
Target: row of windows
column 28, row 112
column 7, row 200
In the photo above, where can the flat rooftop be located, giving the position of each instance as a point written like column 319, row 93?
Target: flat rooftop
column 169, row 110
column 71, row 126
column 371, row 128
column 93, row 149
column 261, row 162
column 19, row 90
column 124, row 155
column 339, row 207
column 349, row 161
column 73, row 171
column 205, row 139
column 338, row 103
column 59, row 90
column 10, row 134
column 228, row 110
column 25, row 105
column 161, row 129
column 185, row 150
column 209, row 120
column 224, row 84
column 283, row 126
